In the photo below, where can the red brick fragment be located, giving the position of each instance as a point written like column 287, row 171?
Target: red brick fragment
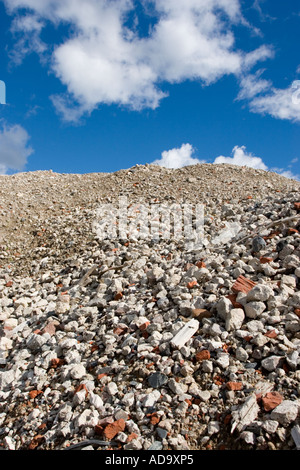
column 34, row 393
column 100, row 376
column 154, row 419
column 297, row 206
column 227, row 419
column 297, row 312
column 265, row 259
column 219, row 380
column 271, row 400
column 9, row 284
column 119, row 331
column 111, row 430
column 202, row 355
column 242, row 284
column 232, row 298
column 98, row 429
column 57, row 362
column 37, row 332
column 201, row 264
column 118, row 296
column 132, row 436
column 144, row 326
column 191, row 284
column 271, row 334
column 234, row 386
column 36, row 441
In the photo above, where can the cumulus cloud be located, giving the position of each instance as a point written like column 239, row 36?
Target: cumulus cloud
column 14, row 149
column 105, row 61
column 242, row 158
column 181, row 157
column 264, row 98
column 178, row 157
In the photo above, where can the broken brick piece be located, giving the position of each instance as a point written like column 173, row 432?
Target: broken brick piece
column 98, row 429
column 118, row 296
column 100, row 376
column 234, row 386
column 218, row 380
column 201, row 264
column 297, row 206
column 144, row 326
column 111, row 430
column 271, row 400
column 57, row 362
column 132, row 436
column 119, row 331
column 34, row 393
column 265, row 259
column 242, row 284
column 271, row 334
column 202, row 355
column 36, row 441
column 154, row 419
column 232, row 298
column 191, row 284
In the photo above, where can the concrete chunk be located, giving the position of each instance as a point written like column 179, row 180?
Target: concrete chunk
column 183, row 335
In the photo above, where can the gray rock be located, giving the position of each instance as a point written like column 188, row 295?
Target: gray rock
column 234, row 319
column 286, row 412
column 272, row 362
column 258, row 244
column 157, row 380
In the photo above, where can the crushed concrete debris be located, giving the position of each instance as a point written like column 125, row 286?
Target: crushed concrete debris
column 149, row 342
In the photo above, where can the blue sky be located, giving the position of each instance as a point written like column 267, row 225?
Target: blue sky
column 102, row 85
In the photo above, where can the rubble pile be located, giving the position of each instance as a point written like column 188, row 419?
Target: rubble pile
column 142, row 343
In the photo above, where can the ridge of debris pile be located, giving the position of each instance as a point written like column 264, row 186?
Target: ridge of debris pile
column 150, row 344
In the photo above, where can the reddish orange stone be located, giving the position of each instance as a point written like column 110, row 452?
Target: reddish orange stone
column 234, row 386
column 271, row 400
column 242, row 284
column 191, row 284
column 202, row 355
column 111, row 430
column 265, row 259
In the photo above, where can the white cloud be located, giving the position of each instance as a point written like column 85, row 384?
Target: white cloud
column 105, row 62
column 253, row 85
column 262, row 53
column 242, row 158
column 181, row 157
column 178, row 157
column 27, row 28
column 264, row 98
column 14, row 149
column 279, row 103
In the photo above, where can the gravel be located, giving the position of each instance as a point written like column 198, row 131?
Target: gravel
column 145, row 342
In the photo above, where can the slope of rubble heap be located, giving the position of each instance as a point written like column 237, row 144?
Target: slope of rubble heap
column 142, row 344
